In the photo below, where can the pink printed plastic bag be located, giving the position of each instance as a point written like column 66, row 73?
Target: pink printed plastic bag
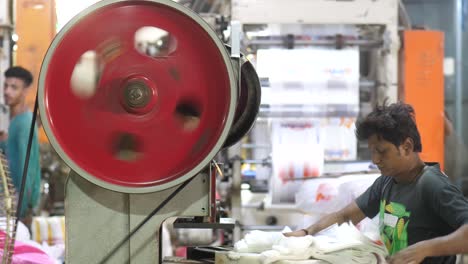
column 26, row 254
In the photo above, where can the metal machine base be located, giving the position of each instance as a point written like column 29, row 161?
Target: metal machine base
column 98, row 219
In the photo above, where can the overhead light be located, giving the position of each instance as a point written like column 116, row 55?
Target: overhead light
column 14, row 37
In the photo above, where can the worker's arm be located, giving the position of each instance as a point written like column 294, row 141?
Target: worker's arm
column 367, row 204
column 350, row 213
column 452, row 244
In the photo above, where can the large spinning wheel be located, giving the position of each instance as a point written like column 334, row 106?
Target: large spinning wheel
column 136, row 133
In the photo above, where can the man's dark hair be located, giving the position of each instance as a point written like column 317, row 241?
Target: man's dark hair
column 20, row 73
column 394, row 123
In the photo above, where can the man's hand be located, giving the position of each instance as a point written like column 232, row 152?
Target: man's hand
column 297, row 233
column 414, row 254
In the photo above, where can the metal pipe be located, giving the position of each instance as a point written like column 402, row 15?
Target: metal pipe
column 11, row 19
column 458, row 66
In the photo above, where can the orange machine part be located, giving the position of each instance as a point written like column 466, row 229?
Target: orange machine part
column 36, row 27
column 421, row 76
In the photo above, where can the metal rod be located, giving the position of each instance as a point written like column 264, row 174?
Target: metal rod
column 292, row 113
column 26, row 164
column 357, row 42
column 458, row 67
column 367, row 83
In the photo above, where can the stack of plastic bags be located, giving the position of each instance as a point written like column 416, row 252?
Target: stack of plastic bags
column 338, row 244
column 324, row 195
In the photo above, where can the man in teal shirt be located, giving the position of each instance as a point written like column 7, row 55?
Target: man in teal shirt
column 15, row 142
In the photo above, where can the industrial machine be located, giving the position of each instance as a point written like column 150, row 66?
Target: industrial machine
column 137, row 97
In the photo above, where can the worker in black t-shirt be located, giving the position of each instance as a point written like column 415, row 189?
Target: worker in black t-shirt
column 423, row 218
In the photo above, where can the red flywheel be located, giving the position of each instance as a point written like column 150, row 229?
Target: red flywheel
column 161, row 109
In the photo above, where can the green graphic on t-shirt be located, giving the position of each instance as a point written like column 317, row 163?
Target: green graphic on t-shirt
column 393, row 227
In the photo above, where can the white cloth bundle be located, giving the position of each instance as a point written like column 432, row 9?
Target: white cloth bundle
column 338, row 244
column 258, row 241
